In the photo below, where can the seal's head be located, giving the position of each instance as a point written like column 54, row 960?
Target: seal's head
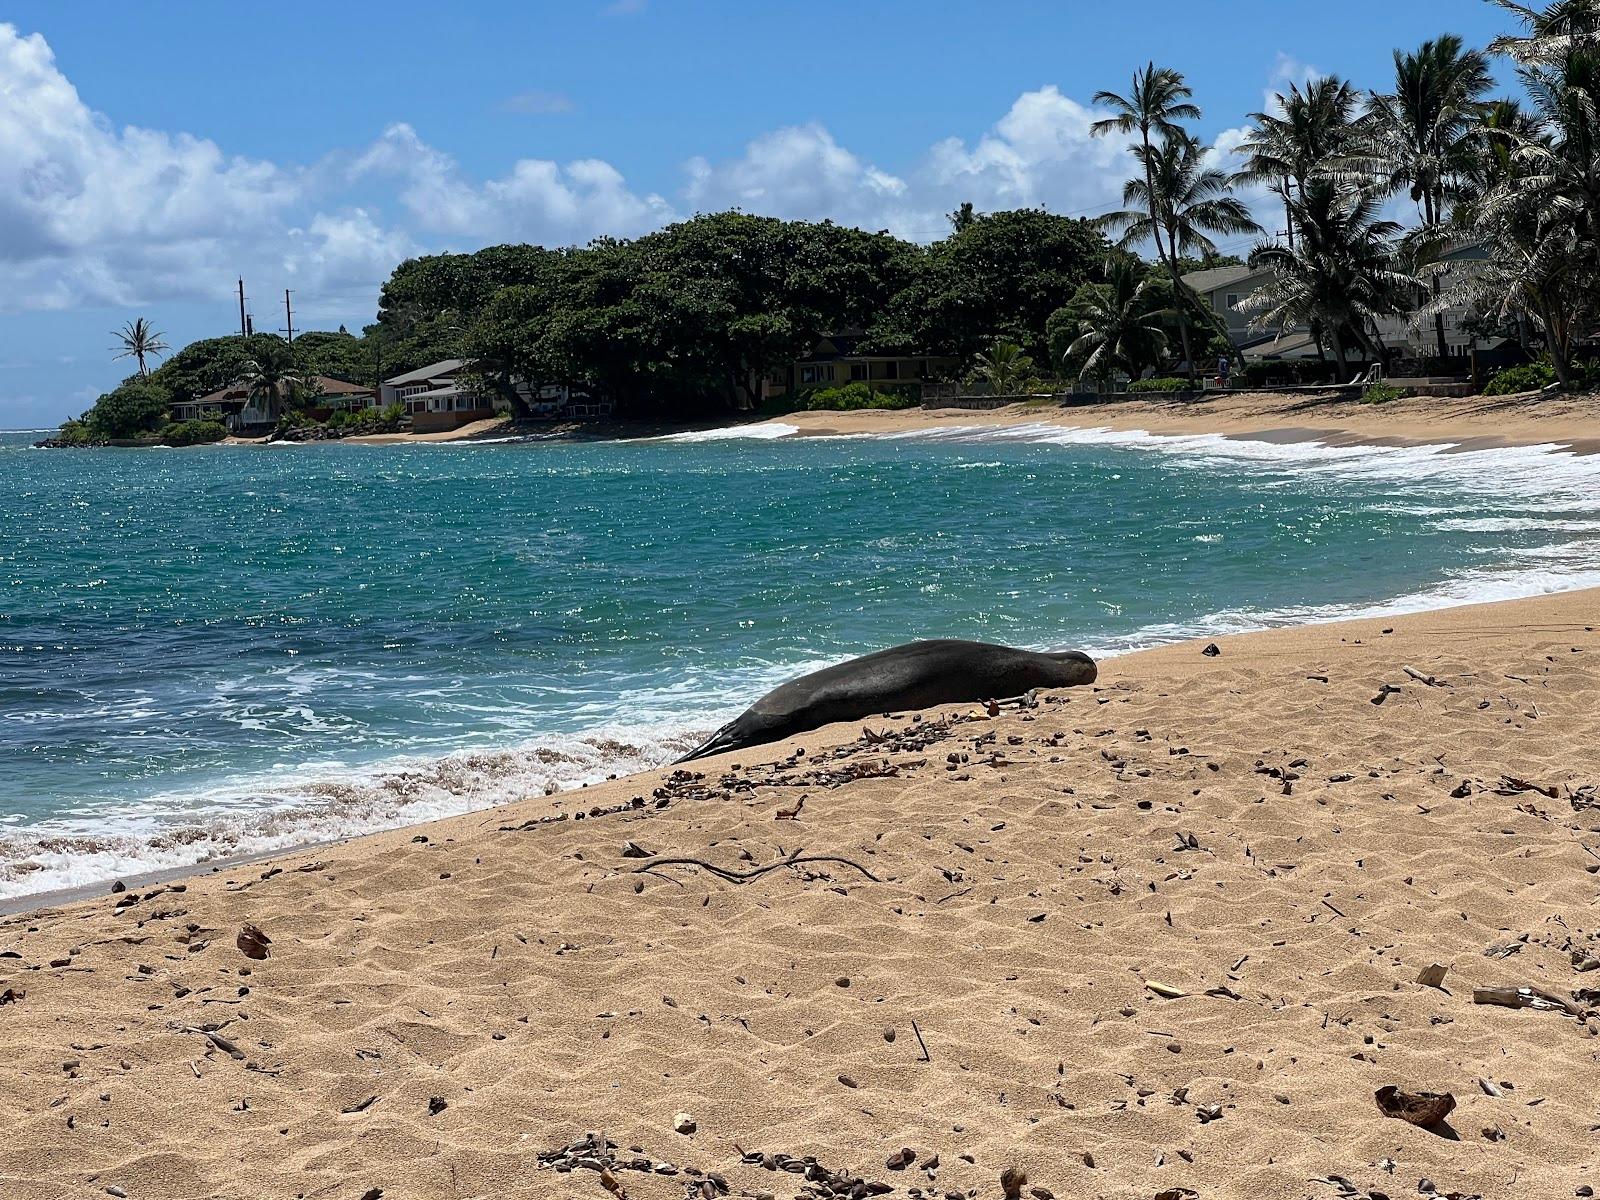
column 1077, row 666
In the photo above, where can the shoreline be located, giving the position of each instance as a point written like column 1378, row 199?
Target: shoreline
column 1472, row 423
column 1117, row 660
column 1184, row 909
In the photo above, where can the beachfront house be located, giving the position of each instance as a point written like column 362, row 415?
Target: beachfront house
column 1223, row 290
column 236, row 409
column 441, row 395
column 446, row 395
column 838, row 359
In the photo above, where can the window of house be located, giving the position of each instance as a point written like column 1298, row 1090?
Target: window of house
column 891, row 369
column 822, row 373
column 1233, row 301
column 858, row 371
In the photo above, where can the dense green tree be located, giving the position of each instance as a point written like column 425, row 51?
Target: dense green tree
column 1000, row 276
column 203, row 366
column 135, row 406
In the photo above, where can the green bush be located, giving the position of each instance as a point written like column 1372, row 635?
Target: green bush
column 1529, row 378
column 1161, row 385
column 1380, row 393
column 135, row 406
column 78, row 433
column 193, row 433
column 859, row 395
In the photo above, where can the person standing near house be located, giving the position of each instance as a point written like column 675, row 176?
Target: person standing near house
column 1222, row 370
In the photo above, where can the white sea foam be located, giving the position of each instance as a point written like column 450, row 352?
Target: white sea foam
column 315, row 803
column 764, row 431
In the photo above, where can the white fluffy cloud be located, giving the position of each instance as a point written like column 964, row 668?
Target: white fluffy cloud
column 91, row 214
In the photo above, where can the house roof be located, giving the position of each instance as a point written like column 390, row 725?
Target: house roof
column 1294, row 343
column 339, row 387
column 1213, row 278
column 236, row 391
column 438, row 370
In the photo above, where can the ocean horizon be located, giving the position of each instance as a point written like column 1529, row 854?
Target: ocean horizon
column 229, row 650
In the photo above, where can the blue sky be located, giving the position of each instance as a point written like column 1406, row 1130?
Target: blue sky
column 150, row 153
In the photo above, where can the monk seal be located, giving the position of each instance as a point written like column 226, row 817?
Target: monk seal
column 916, row 675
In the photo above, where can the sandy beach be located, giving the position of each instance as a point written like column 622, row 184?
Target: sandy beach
column 1475, row 422
column 1156, row 938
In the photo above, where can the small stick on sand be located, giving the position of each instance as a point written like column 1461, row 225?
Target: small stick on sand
column 916, row 1029
column 1430, row 680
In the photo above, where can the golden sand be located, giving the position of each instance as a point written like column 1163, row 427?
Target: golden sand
column 1161, row 937
column 1476, row 421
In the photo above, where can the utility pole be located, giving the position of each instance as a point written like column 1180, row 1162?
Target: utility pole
column 288, row 316
column 244, row 330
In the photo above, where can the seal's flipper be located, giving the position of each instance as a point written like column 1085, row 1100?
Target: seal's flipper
column 722, row 739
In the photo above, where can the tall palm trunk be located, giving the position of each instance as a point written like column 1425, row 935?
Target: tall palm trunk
column 1288, row 214
column 1150, row 191
column 1340, row 373
column 1431, row 218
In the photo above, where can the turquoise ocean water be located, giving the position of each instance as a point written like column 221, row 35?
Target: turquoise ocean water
column 221, row 649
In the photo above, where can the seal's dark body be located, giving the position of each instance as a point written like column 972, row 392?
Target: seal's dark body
column 916, row 675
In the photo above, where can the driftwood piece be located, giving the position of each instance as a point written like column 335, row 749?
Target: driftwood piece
column 1526, row 996
column 1420, row 677
column 793, row 860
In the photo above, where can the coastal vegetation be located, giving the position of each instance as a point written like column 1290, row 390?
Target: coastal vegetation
column 140, row 341
column 703, row 314
column 859, row 396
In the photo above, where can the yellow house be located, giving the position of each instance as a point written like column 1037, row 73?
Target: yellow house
column 837, row 359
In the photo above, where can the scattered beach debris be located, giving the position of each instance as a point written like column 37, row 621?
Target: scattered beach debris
column 253, row 943
column 823, row 1180
column 1417, row 1108
column 684, row 1123
column 1012, row 1181
column 1432, row 975
column 1420, row 677
column 1211, row 650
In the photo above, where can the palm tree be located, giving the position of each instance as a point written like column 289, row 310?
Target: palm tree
column 1422, row 135
column 1182, row 201
column 1310, row 132
column 1114, row 326
column 272, row 378
column 1156, row 103
column 1553, row 32
column 1342, row 277
column 1004, row 367
column 139, row 339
